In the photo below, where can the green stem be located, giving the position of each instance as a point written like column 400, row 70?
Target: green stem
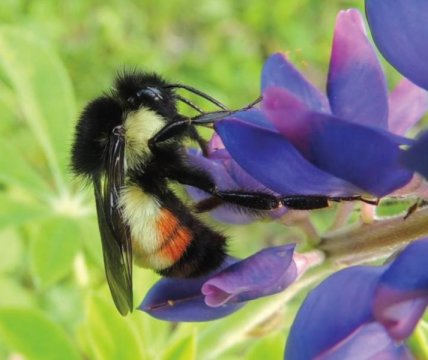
column 365, row 242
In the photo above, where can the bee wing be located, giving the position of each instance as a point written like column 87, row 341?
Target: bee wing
column 115, row 236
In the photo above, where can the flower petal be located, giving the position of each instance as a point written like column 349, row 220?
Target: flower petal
column 416, row 157
column 369, row 342
column 402, row 294
column 265, row 273
column 277, row 71
column 228, row 175
column 400, row 30
column 214, row 144
column 407, row 104
column 367, row 157
column 213, row 166
column 332, row 312
column 356, row 84
column 273, row 161
column 182, row 300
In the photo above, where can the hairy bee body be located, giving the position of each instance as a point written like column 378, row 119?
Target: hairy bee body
column 165, row 235
column 140, row 217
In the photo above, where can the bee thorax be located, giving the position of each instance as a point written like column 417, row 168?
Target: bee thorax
column 140, row 126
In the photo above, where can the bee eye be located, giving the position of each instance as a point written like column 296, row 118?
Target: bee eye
column 151, row 92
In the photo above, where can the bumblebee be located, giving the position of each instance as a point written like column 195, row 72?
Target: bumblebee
column 130, row 144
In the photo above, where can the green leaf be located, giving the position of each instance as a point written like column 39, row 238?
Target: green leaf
column 270, row 347
column 43, row 91
column 34, row 335
column 418, row 341
column 64, row 302
column 12, row 243
column 17, row 171
column 53, row 250
column 107, row 334
column 14, row 212
column 89, row 234
column 14, row 294
column 153, row 333
column 183, row 349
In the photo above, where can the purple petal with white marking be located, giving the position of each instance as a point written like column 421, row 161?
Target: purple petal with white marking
column 265, row 273
column 278, row 71
column 356, row 84
column 182, row 300
column 416, row 157
column 402, row 294
column 369, row 342
column 276, row 163
column 407, row 104
column 364, row 156
column 346, row 295
column 400, row 30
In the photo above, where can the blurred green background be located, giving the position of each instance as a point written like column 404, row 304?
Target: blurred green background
column 54, row 57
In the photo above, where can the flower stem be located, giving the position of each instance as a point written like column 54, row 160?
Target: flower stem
column 365, row 242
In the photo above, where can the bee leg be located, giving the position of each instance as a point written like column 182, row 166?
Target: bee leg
column 303, row 202
column 208, row 204
column 312, row 202
column 252, row 200
column 169, row 131
column 187, row 175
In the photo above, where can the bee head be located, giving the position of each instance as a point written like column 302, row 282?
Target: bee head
column 140, row 103
column 137, row 90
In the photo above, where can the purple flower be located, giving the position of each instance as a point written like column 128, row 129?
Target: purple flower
column 363, row 312
column 228, row 175
column 302, row 142
column 228, row 289
column 400, row 31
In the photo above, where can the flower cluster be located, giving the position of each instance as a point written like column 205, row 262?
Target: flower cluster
column 349, row 142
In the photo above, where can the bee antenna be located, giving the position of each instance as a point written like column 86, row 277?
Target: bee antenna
column 189, row 103
column 197, row 92
column 205, row 119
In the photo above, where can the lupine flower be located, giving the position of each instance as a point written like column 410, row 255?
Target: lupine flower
column 363, row 312
column 349, row 159
column 400, row 31
column 217, row 295
column 340, row 145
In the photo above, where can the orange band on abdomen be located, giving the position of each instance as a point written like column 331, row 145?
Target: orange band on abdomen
column 166, row 225
column 175, row 237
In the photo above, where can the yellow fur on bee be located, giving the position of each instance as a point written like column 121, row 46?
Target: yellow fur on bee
column 140, row 126
column 142, row 213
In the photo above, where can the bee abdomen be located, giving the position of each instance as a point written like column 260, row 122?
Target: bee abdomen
column 171, row 241
column 175, row 237
column 204, row 252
